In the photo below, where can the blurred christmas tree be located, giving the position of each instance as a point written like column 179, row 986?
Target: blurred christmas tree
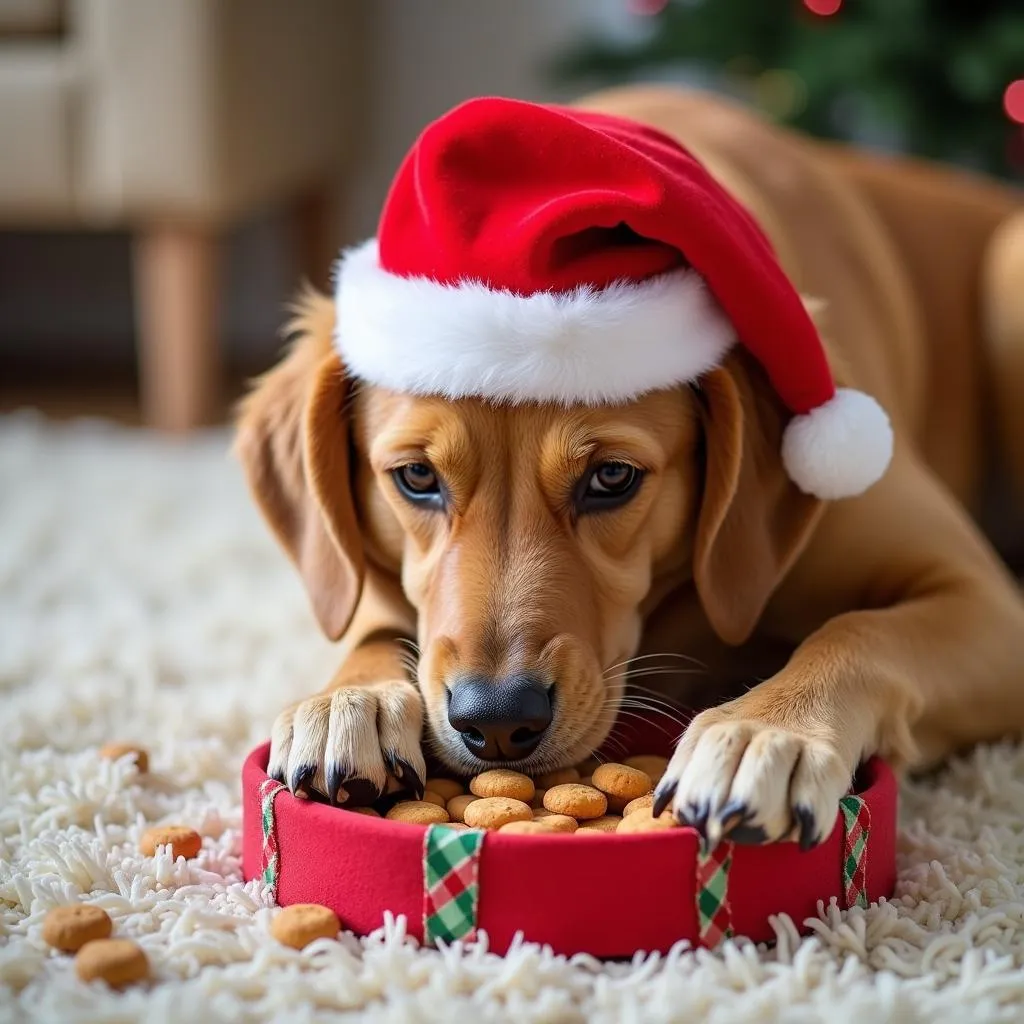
column 938, row 78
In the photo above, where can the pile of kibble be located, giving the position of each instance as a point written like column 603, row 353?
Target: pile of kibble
column 586, row 800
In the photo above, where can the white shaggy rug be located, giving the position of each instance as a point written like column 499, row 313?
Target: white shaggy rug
column 141, row 599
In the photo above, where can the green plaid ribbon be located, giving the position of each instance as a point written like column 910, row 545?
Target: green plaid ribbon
column 857, row 831
column 451, row 886
column 714, row 915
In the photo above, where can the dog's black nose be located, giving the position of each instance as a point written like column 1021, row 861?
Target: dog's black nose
column 500, row 719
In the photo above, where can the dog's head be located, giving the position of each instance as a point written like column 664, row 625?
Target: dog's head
column 530, row 540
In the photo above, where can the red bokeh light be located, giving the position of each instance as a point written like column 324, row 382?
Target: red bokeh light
column 824, row 8
column 1013, row 101
column 647, row 7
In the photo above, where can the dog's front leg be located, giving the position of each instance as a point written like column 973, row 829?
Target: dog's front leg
column 773, row 763
column 366, row 725
column 913, row 681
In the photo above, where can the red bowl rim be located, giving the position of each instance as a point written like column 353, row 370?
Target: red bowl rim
column 873, row 778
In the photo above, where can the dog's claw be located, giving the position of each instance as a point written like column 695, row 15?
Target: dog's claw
column 808, row 826
column 728, row 820
column 409, row 777
column 696, row 816
column 663, row 795
column 336, row 774
column 300, row 781
column 405, row 774
column 344, row 789
column 360, row 792
column 748, row 835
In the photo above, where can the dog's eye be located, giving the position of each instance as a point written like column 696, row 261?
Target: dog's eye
column 610, row 485
column 419, row 483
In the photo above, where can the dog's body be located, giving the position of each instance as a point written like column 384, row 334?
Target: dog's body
column 883, row 623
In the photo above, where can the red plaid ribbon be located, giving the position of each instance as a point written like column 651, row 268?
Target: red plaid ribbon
column 857, row 830
column 451, row 888
column 714, row 915
column 270, row 861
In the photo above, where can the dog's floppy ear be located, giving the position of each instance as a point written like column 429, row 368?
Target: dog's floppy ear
column 753, row 520
column 293, row 442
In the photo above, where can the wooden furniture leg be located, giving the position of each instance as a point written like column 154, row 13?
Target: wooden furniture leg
column 176, row 270
column 316, row 234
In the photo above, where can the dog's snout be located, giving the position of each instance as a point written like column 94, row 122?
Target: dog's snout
column 500, row 719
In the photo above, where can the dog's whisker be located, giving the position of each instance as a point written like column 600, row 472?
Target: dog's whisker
column 647, row 703
column 663, row 671
column 657, row 725
column 654, row 693
column 634, row 701
column 644, row 657
column 658, row 711
column 653, row 699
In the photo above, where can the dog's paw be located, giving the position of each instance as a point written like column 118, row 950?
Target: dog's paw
column 752, row 782
column 344, row 744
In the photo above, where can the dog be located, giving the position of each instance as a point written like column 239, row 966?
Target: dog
column 808, row 634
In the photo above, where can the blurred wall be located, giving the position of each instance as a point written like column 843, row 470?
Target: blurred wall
column 67, row 296
column 430, row 56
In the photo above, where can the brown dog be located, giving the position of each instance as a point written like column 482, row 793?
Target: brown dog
column 883, row 623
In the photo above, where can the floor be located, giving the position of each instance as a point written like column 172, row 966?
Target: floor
column 142, row 600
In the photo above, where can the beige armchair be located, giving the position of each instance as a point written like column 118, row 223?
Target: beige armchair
column 174, row 118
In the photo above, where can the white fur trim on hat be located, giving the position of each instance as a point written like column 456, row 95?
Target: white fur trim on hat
column 839, row 449
column 589, row 345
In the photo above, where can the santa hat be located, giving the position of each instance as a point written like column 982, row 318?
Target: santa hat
column 539, row 253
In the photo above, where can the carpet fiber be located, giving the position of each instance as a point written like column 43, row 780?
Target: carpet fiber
column 141, row 599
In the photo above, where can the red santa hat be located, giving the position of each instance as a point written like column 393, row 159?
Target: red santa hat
column 539, row 253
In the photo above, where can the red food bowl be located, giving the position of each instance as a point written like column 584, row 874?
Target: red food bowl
column 607, row 895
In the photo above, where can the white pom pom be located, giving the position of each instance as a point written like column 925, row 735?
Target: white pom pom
column 839, row 449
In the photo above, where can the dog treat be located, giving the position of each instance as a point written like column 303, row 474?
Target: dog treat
column 297, row 926
column 502, row 782
column 114, row 751
column 559, row 801
column 458, row 826
column 606, row 823
column 447, row 789
column 559, row 778
column 184, row 842
column 70, row 927
column 458, row 804
column 622, row 781
column 555, row 822
column 417, row 812
column 652, row 765
column 118, row 962
column 644, row 821
column 494, row 811
column 576, row 800
column 647, row 800
column 527, row 828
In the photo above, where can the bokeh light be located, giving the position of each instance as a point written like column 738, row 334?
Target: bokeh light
column 824, row 8
column 647, row 7
column 1013, row 101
